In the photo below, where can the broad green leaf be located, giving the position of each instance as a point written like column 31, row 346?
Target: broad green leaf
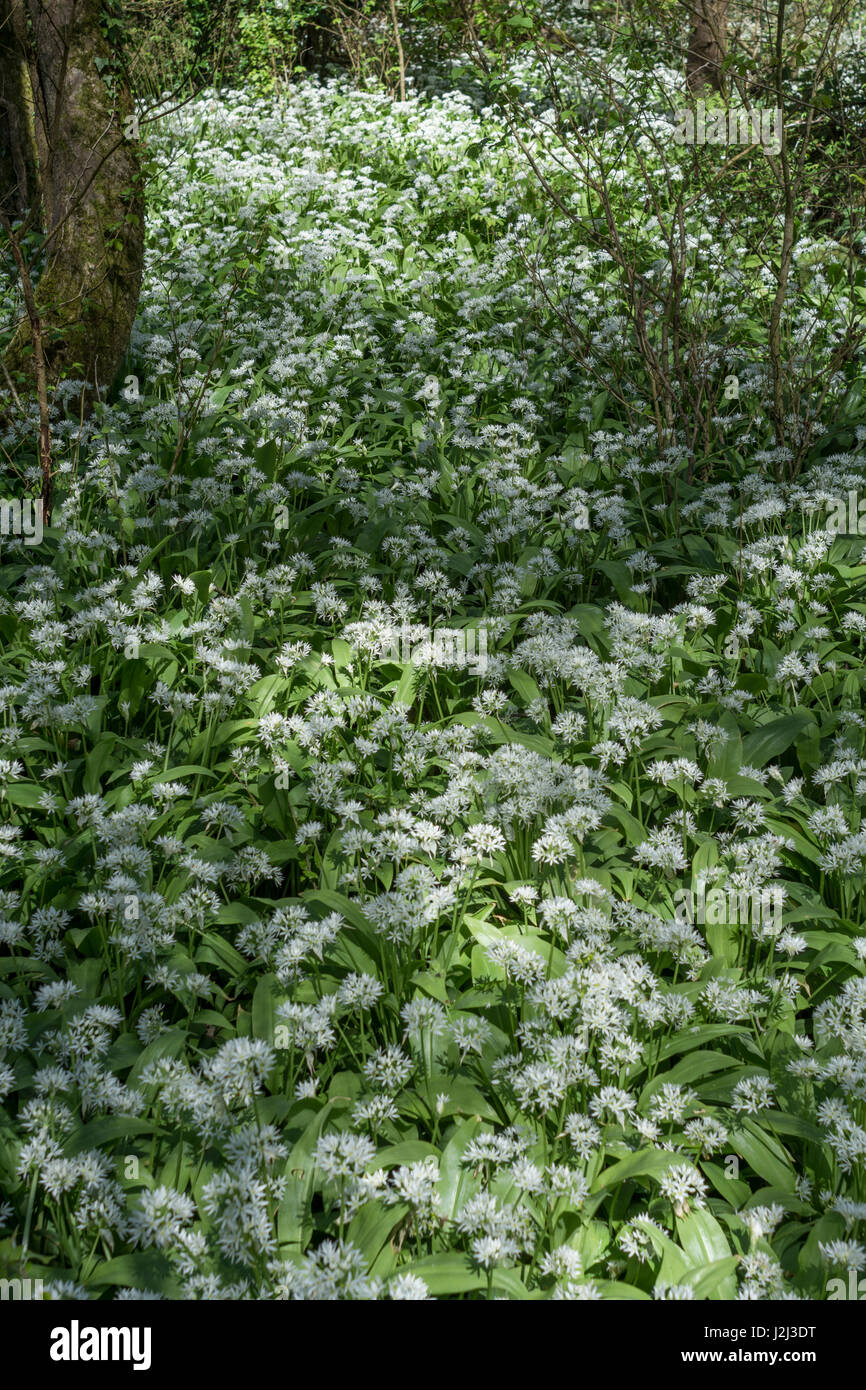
column 104, row 1131
column 453, row 1274
column 716, row 1280
column 705, row 1242
column 771, row 739
column 649, row 1163
column 455, row 1179
column 147, row 1270
column 371, row 1228
column 410, row 1151
column 763, row 1155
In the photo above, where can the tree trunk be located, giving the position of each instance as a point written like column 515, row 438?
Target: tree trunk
column 706, row 44
column 19, row 179
column 89, row 185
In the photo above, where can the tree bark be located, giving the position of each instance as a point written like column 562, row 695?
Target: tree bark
column 89, row 188
column 706, row 44
column 19, row 179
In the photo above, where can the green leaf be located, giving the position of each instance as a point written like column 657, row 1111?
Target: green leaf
column 25, row 794
column 525, row 686
column 455, row 1180
column 619, row 1289
column 410, row 1151
column 174, row 774
column 370, row 1229
column 650, row 1163
column 675, row 1263
column 763, row 1155
column 236, row 914
column 453, row 1274
column 294, row 1218
column 165, row 1045
column 404, row 691
column 338, row 902
column 717, row 1280
column 771, row 739
column 215, row 950
column 685, row 1040
column 147, row 1270
column 104, row 1131
column 705, row 1243
column 690, row 1071
column 264, row 1006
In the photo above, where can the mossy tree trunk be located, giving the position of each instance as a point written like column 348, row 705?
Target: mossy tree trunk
column 709, row 20
column 88, row 199
column 19, row 178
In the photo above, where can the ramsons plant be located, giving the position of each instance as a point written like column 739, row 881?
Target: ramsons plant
column 330, row 975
